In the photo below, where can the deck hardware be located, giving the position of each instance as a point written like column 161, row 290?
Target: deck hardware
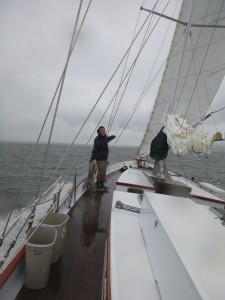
column 120, row 205
column 220, row 212
column 156, row 223
column 222, row 219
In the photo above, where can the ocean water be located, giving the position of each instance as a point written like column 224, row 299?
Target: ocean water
column 15, row 157
column 209, row 168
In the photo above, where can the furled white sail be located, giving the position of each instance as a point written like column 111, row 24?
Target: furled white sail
column 201, row 73
column 182, row 138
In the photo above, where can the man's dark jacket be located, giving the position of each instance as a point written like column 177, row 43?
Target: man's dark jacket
column 101, row 149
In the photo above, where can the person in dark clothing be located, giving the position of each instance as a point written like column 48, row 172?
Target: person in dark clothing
column 100, row 154
column 158, row 151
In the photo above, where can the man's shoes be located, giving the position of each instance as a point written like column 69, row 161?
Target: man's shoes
column 99, row 187
column 103, row 186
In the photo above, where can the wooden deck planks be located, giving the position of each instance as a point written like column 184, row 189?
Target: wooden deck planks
column 78, row 274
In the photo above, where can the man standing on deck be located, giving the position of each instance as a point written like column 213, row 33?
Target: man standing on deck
column 158, row 151
column 100, row 154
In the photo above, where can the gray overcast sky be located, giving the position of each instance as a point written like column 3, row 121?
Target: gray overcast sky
column 35, row 37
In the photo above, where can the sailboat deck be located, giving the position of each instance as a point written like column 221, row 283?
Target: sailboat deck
column 136, row 178
column 198, row 192
column 131, row 273
column 79, row 272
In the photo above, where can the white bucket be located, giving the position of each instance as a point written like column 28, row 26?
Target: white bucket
column 38, row 257
column 59, row 222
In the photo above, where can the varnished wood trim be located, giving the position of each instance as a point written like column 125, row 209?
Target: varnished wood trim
column 208, row 199
column 135, row 185
column 11, row 266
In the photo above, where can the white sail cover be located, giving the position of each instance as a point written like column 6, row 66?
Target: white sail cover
column 182, row 138
column 202, row 70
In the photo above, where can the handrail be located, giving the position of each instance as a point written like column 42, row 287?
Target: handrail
column 11, row 226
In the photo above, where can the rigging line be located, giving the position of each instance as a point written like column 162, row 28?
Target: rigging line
column 145, row 90
column 58, row 100
column 128, row 121
column 132, row 111
column 182, row 166
column 82, row 153
column 34, row 149
column 85, row 121
column 148, row 82
column 114, row 96
column 64, row 71
column 114, row 111
column 12, row 244
column 197, row 90
column 141, row 47
column 60, row 87
column 26, row 209
column 159, row 69
column 72, row 45
column 28, row 165
column 204, row 60
column 144, row 38
column 193, row 48
column 207, row 116
column 125, row 126
column 11, row 226
column 181, row 56
column 200, row 122
column 221, row 166
column 73, row 41
column 192, row 58
column 83, row 150
column 31, row 157
column 128, row 79
column 159, row 50
column 127, row 57
column 134, row 108
column 128, row 72
column 211, row 113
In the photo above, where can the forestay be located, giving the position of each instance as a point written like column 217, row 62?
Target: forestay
column 201, row 73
